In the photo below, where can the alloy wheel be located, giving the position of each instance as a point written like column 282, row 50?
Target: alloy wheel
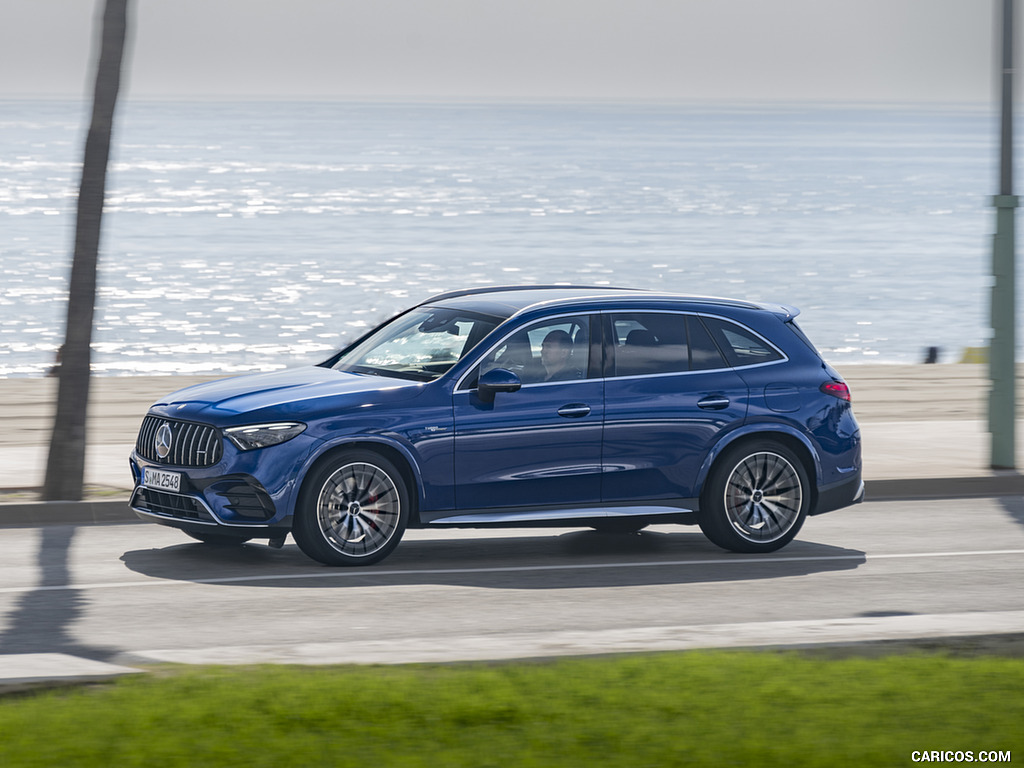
column 763, row 497
column 359, row 509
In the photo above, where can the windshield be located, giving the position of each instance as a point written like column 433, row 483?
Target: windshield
column 419, row 345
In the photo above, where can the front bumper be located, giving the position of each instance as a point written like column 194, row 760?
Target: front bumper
column 237, row 501
column 245, row 490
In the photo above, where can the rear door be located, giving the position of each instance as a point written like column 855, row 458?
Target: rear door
column 669, row 397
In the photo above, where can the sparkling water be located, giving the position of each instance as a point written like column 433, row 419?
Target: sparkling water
column 254, row 236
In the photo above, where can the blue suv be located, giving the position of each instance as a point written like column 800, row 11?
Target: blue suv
column 531, row 405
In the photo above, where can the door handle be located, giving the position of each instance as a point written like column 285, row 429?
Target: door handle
column 713, row 403
column 574, row 410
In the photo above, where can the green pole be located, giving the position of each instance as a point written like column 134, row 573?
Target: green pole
column 1002, row 415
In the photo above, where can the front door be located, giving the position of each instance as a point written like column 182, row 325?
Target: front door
column 541, row 445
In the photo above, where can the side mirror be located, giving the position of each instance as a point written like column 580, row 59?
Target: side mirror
column 497, row 380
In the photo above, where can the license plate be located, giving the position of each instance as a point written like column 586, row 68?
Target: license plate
column 161, row 480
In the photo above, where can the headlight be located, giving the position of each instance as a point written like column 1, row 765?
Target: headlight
column 262, row 435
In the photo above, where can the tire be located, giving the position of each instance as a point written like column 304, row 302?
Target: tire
column 352, row 510
column 218, row 539
column 756, row 499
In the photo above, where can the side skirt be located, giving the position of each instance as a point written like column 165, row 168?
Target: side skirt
column 565, row 516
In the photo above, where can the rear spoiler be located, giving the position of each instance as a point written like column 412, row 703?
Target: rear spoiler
column 784, row 311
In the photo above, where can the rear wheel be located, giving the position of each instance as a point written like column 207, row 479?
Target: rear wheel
column 756, row 499
column 353, row 510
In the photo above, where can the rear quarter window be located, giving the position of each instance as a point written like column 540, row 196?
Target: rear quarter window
column 741, row 346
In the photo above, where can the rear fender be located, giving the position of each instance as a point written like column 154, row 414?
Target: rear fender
column 760, row 431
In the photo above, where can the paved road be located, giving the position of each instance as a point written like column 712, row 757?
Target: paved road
column 134, row 593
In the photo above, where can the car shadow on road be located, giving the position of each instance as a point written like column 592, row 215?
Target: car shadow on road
column 574, row 560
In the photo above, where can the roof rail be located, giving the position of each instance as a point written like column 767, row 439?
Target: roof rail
column 503, row 288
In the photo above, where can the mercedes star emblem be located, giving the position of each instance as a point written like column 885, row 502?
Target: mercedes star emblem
column 162, row 440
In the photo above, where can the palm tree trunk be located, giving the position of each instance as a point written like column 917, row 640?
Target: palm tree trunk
column 65, row 468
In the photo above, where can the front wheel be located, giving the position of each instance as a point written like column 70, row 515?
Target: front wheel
column 756, row 499
column 353, row 510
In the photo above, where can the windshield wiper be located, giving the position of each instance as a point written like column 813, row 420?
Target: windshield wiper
column 407, row 375
column 362, row 370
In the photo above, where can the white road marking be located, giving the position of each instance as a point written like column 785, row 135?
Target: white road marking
column 371, row 573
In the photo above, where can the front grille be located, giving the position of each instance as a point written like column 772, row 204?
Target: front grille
column 170, row 505
column 191, row 444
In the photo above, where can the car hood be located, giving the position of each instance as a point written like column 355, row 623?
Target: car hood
column 292, row 393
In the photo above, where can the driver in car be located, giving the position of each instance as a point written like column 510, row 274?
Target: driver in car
column 555, row 356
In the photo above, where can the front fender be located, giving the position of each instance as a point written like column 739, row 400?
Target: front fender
column 328, row 446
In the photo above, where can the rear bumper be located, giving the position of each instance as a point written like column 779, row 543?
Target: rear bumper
column 838, row 495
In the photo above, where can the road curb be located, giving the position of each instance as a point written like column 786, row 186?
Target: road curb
column 1010, row 484
column 32, row 671
column 33, row 513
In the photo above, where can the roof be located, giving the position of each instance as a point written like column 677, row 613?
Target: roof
column 505, row 301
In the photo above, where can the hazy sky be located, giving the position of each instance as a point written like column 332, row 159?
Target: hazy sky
column 735, row 50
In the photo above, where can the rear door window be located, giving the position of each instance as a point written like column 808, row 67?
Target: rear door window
column 649, row 342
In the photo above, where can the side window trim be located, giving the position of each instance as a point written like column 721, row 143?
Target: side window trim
column 602, row 343
column 609, row 367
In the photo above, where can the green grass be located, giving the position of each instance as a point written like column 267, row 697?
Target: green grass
column 699, row 708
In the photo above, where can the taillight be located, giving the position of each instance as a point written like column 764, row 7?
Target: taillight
column 836, row 389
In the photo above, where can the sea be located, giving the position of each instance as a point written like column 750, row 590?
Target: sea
column 253, row 236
